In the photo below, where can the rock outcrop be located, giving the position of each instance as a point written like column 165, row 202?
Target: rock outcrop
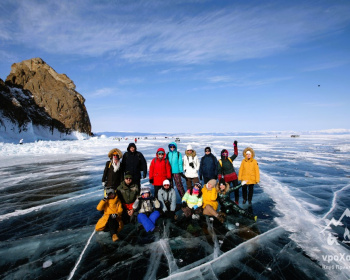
column 53, row 94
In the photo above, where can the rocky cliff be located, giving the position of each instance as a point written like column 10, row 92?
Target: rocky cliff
column 34, row 93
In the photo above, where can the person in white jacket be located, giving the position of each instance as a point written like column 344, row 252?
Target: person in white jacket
column 191, row 166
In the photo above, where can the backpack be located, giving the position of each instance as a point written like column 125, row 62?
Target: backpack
column 220, row 161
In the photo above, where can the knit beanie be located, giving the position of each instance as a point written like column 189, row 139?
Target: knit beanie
column 207, row 148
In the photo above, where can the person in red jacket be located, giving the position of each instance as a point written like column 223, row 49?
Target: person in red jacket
column 159, row 171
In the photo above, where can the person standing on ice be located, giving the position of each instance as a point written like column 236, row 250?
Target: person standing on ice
column 128, row 192
column 147, row 207
column 159, row 170
column 227, row 205
column 208, row 168
column 167, row 199
column 191, row 166
column 113, row 173
column 226, row 169
column 175, row 160
column 112, row 211
column 249, row 172
column 134, row 162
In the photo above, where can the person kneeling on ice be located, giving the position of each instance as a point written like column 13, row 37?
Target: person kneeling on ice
column 227, row 205
column 210, row 204
column 111, row 219
column 146, row 205
column 192, row 202
column 167, row 199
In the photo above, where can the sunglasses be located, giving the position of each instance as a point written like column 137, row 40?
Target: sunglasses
column 128, row 179
column 160, row 153
column 172, row 147
column 166, row 185
column 207, row 151
column 115, row 155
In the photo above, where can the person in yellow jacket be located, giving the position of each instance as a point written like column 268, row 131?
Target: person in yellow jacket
column 249, row 172
column 210, row 203
column 111, row 219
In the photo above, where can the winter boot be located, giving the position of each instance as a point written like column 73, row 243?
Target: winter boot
column 115, row 237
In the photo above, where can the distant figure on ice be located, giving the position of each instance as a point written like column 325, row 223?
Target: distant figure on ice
column 147, row 207
column 134, row 162
column 112, row 211
column 226, row 169
column 175, row 160
column 227, row 205
column 113, row 173
column 191, row 166
column 21, row 141
column 159, row 170
column 127, row 193
column 192, row 202
column 208, row 167
column 167, row 199
column 249, row 172
column 135, row 140
column 210, row 204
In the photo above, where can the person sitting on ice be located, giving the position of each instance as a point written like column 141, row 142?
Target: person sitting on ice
column 249, row 172
column 192, row 202
column 112, row 211
column 128, row 192
column 113, row 173
column 227, row 205
column 159, row 170
column 167, row 199
column 147, row 207
column 226, row 169
column 210, row 204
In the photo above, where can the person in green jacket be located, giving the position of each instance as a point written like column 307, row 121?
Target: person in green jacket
column 227, row 206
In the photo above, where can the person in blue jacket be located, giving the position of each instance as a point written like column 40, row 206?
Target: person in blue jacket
column 208, row 168
column 175, row 160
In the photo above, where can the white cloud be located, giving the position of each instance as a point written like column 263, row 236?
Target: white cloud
column 166, row 32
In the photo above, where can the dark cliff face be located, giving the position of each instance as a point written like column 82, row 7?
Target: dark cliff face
column 46, row 98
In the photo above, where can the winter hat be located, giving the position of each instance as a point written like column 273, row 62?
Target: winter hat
column 248, row 152
column 189, row 147
column 128, row 175
column 207, row 148
column 222, row 181
column 166, row 182
column 212, row 182
column 109, row 191
column 198, row 185
column 145, row 190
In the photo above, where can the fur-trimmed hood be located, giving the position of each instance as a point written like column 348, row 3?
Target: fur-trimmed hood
column 192, row 154
column 248, row 149
column 227, row 187
column 111, row 152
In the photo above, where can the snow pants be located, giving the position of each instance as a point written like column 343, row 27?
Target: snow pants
column 178, row 182
column 148, row 222
column 234, row 183
column 250, row 192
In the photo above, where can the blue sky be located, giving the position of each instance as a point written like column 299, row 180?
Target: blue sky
column 192, row 66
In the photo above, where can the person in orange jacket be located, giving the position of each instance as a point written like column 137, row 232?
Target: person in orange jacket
column 159, row 171
column 249, row 172
column 111, row 219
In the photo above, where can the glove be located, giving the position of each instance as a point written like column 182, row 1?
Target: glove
column 151, row 181
column 201, row 177
column 103, row 184
column 235, row 143
column 243, row 183
column 114, row 216
column 195, row 207
column 144, row 175
column 183, row 175
column 184, row 204
column 191, row 164
column 105, row 197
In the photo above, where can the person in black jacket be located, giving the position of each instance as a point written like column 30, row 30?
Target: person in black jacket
column 208, row 167
column 113, row 173
column 134, row 162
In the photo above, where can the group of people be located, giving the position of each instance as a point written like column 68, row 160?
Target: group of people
column 125, row 200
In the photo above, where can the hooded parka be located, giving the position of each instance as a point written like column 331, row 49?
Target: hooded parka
column 175, row 159
column 159, row 169
column 113, row 173
column 249, row 170
column 134, row 163
column 109, row 206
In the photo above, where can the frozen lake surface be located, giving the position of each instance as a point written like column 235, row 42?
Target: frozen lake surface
column 49, row 191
